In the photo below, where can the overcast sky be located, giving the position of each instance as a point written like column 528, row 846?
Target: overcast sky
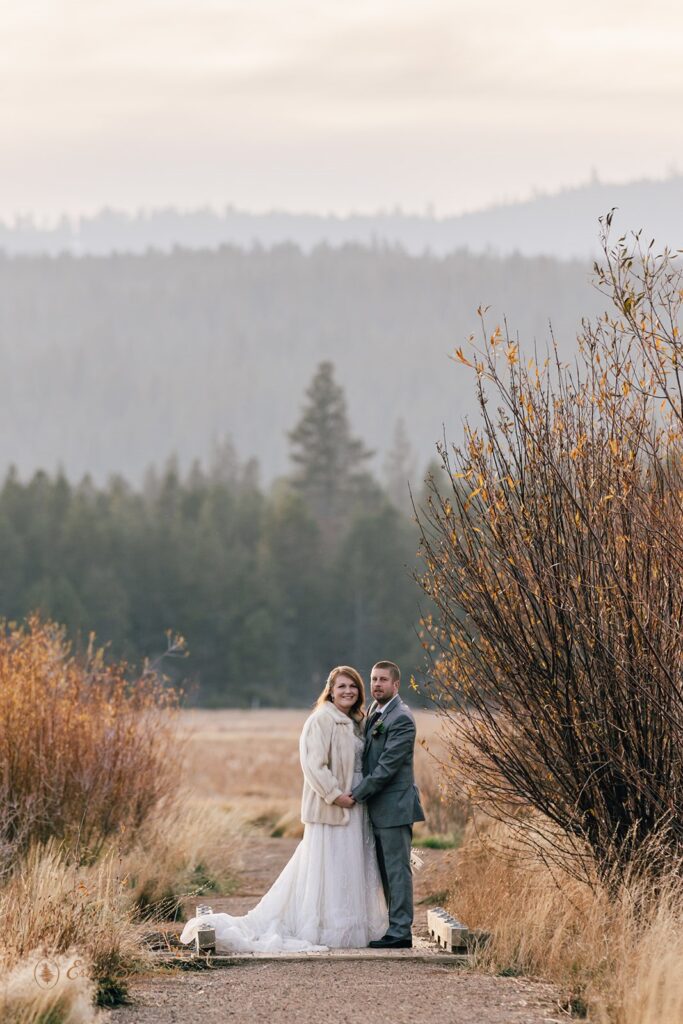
column 331, row 106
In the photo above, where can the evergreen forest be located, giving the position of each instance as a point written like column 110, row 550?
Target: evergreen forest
column 269, row 588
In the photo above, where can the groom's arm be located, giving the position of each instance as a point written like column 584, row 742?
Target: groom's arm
column 397, row 747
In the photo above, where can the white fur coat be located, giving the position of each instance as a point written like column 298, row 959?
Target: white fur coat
column 326, row 749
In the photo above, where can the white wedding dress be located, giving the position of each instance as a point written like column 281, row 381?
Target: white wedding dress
column 328, row 895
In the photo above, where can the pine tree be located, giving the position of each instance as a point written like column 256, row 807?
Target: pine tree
column 375, row 604
column 329, row 462
column 295, row 589
column 400, row 468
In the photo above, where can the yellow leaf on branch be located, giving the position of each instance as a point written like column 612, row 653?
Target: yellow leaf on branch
column 461, row 357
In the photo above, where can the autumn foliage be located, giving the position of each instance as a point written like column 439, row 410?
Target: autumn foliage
column 554, row 559
column 85, row 753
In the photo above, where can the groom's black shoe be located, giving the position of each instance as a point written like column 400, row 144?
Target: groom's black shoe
column 386, row 942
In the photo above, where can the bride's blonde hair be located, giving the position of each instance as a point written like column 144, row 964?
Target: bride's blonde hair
column 358, row 709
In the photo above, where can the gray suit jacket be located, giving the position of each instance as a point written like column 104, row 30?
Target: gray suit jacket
column 388, row 785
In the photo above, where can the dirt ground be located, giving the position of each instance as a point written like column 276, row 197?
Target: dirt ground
column 397, row 990
column 345, row 993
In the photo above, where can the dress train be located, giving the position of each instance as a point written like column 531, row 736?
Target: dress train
column 329, row 894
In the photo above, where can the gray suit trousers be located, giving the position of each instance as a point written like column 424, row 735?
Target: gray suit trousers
column 393, row 854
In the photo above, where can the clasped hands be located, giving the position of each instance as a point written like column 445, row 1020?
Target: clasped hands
column 345, row 800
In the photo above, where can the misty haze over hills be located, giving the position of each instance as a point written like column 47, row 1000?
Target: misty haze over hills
column 112, row 363
column 204, row 326
column 564, row 225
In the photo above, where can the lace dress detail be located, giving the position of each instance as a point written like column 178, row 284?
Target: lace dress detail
column 329, row 894
column 358, row 757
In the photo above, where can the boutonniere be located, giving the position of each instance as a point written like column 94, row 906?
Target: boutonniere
column 379, row 729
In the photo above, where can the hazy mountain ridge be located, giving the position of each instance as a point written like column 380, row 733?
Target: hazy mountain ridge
column 112, row 363
column 563, row 224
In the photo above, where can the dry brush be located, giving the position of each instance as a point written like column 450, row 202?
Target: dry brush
column 554, row 559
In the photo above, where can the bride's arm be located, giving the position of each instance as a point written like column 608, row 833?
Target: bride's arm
column 314, row 753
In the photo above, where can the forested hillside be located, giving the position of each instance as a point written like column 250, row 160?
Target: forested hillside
column 270, row 589
column 112, row 363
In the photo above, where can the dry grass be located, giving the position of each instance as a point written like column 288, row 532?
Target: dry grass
column 620, row 957
column 76, row 759
column 114, row 809
column 248, row 762
column 69, row 1000
column 446, row 808
column 94, row 824
column 50, row 906
column 186, row 846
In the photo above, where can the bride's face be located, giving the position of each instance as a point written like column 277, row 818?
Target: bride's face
column 344, row 693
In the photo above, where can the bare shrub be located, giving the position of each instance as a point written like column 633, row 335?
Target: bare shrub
column 84, row 752
column 554, row 558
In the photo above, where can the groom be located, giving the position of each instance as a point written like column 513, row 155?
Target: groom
column 388, row 787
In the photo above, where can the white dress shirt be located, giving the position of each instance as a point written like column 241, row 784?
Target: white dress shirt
column 381, row 708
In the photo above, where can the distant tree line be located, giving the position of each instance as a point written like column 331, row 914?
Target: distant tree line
column 110, row 363
column 560, row 224
column 269, row 588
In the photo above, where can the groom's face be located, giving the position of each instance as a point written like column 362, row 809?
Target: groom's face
column 382, row 686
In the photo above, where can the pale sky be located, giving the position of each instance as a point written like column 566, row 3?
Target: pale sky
column 331, row 106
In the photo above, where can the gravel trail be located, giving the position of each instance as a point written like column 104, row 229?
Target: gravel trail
column 369, row 991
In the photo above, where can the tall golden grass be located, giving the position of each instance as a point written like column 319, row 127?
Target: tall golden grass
column 84, row 752
column 187, row 845
column 96, row 829
column 247, row 763
column 615, row 952
column 51, row 905
column 89, row 914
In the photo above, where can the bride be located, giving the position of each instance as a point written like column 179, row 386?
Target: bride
column 330, row 892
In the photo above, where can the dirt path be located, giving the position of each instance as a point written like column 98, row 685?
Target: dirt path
column 399, row 990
